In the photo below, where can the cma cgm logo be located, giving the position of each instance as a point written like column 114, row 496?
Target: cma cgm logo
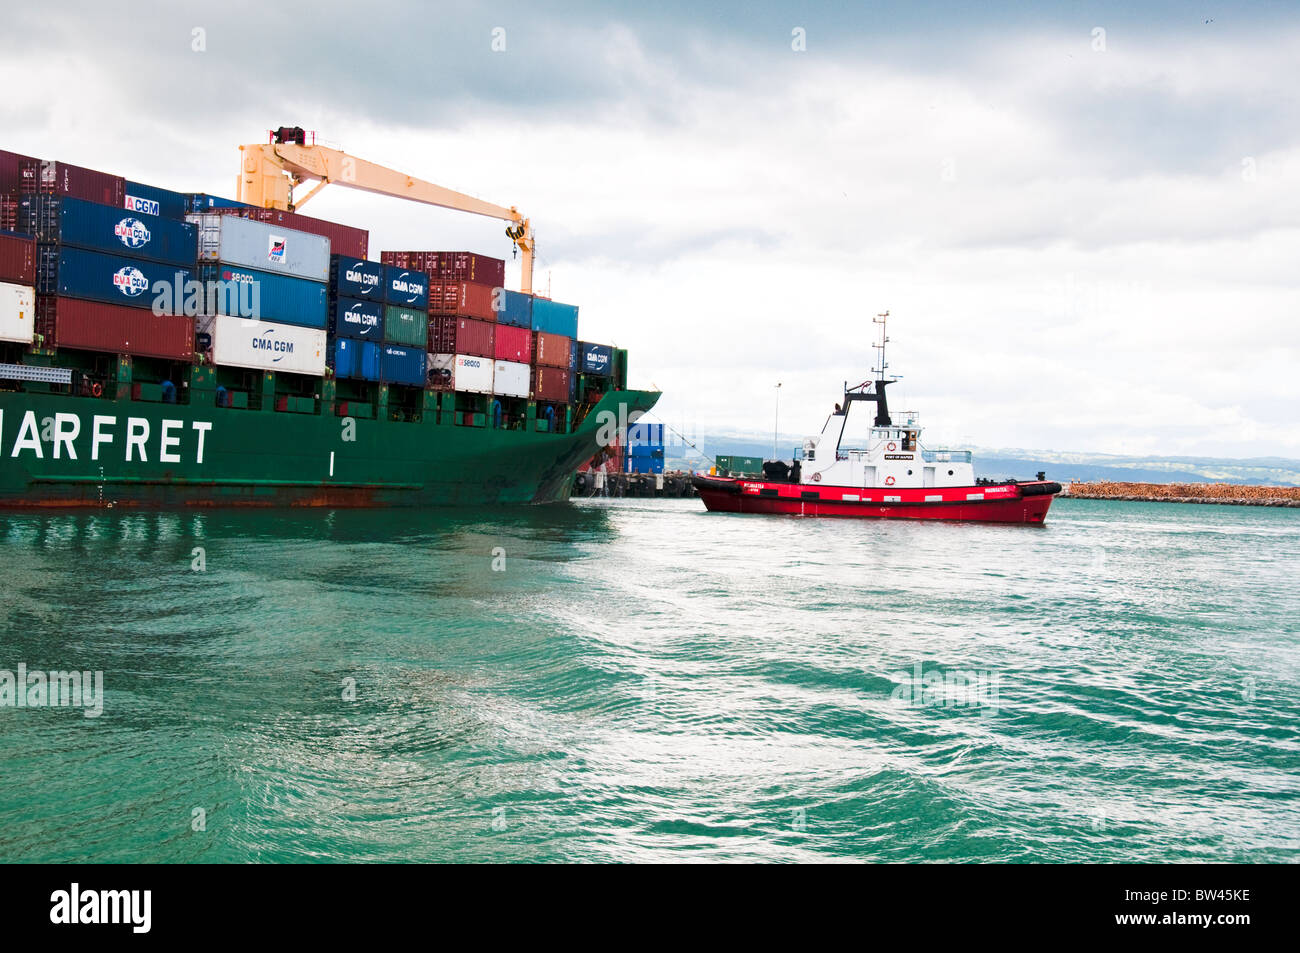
column 143, row 206
column 265, row 342
column 367, row 280
column 130, row 281
column 132, row 233
column 362, row 320
column 408, row 286
column 275, row 252
column 597, row 359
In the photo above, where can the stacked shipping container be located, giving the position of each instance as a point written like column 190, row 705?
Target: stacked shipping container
column 17, row 288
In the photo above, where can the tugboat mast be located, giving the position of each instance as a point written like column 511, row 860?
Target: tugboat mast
column 861, row 391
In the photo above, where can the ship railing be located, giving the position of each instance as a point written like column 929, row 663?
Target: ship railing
column 946, row 456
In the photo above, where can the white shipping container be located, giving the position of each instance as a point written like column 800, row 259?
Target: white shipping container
column 266, row 247
column 470, row 374
column 264, row 345
column 511, row 379
column 17, row 312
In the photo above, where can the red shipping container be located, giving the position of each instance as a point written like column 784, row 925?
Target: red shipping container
column 9, row 211
column 514, row 344
column 60, row 178
column 462, row 297
column 10, row 174
column 450, row 265
column 453, row 334
column 92, row 326
column 344, row 239
column 552, row 350
column 18, row 260
column 551, row 384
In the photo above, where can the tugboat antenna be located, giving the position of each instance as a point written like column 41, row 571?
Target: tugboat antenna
column 881, row 320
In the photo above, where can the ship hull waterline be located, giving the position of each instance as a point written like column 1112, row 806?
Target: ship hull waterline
column 60, row 451
column 1026, row 502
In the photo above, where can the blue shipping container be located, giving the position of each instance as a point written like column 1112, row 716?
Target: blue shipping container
column 363, row 320
column 645, row 435
column 517, row 310
column 595, row 359
column 278, row 297
column 356, row 278
column 201, row 202
column 114, row 231
column 356, row 359
column 555, row 318
column 114, row 279
column 410, row 288
column 151, row 200
column 402, row 365
column 635, row 464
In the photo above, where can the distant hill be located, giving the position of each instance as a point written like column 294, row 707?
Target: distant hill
column 1058, row 465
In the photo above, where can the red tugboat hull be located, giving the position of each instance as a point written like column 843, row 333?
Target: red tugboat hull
column 1025, row 502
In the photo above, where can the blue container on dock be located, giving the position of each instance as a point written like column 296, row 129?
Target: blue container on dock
column 595, row 359
column 405, row 287
column 281, row 298
column 151, row 200
column 363, row 320
column 402, row 365
column 95, row 276
column 202, row 202
column 356, row 359
column 645, row 435
column 105, row 228
column 517, row 310
column 356, row 278
column 555, row 318
column 639, row 463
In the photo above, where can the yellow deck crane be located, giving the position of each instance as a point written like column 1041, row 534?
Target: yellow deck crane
column 269, row 173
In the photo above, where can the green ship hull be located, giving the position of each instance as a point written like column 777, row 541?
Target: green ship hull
column 58, row 450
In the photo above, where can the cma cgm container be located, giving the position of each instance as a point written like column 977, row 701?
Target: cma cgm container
column 59, row 178
column 113, row 279
column 343, row 239
column 551, row 350
column 274, row 297
column 358, row 360
column 463, row 297
column 17, row 312
column 467, row 373
column 264, row 345
column 513, row 344
column 402, row 365
column 551, row 384
column 555, row 318
column 363, row 320
column 356, row 278
column 237, row 241
column 407, row 287
column 516, row 309
column 449, row 334
column 511, row 379
column 595, row 359
column 69, row 221
column 151, row 200
column 405, row 326
column 18, row 259
column 70, row 323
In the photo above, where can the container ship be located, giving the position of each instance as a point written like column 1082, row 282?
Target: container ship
column 160, row 348
column 880, row 471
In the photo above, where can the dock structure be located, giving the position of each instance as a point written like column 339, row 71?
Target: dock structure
column 1229, row 494
column 591, row 483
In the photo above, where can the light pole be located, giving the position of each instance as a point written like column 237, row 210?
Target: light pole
column 776, row 422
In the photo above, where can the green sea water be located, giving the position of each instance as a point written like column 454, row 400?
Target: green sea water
column 639, row 680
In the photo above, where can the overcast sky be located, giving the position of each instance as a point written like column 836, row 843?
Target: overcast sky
column 1083, row 218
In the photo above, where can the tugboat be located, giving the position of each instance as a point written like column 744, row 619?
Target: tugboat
column 890, row 475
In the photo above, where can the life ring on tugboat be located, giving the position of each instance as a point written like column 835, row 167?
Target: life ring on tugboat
column 817, row 478
column 97, row 389
column 889, row 481
column 892, row 447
